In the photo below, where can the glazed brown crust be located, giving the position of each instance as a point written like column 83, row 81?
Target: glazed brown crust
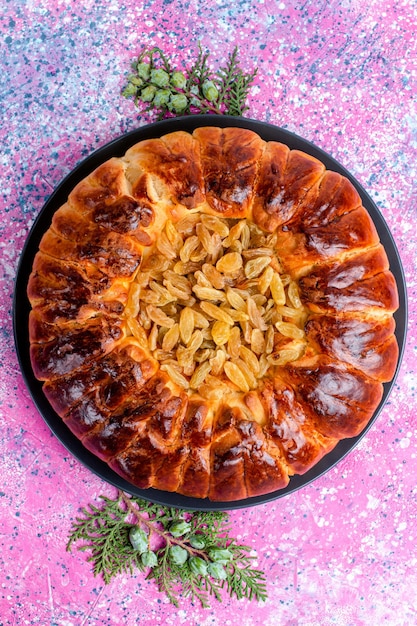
column 292, row 428
column 337, row 398
column 285, row 177
column 361, row 283
column 367, row 345
column 109, row 389
column 327, row 201
column 229, row 161
column 112, row 378
column 175, row 161
column 303, row 245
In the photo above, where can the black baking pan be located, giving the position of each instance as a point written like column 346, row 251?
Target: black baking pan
column 21, row 308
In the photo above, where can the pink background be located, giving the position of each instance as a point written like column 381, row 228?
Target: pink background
column 341, row 73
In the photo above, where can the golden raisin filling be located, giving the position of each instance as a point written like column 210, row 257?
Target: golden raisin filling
column 213, row 306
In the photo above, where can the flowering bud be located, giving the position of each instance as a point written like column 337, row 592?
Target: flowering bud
column 160, row 78
column 178, row 555
column 178, row 103
column 149, row 559
column 198, row 566
column 178, row 80
column 210, row 91
column 161, row 97
column 138, row 539
column 178, row 529
column 144, row 70
column 147, row 94
column 221, row 555
column 195, row 91
column 216, row 570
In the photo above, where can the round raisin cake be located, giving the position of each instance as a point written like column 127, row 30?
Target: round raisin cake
column 212, row 313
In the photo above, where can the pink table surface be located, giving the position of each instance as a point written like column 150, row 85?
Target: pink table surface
column 341, row 73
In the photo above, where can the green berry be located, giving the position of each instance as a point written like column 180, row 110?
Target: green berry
column 197, row 542
column 220, row 555
column 147, row 94
column 216, row 570
column 149, row 559
column 178, row 555
column 135, row 80
column 160, row 78
column 161, row 97
column 178, row 80
column 178, row 529
column 178, row 103
column 129, row 90
column 143, row 70
column 198, row 566
column 210, row 91
column 138, row 539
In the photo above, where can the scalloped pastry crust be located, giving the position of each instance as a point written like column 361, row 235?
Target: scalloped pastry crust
column 258, row 409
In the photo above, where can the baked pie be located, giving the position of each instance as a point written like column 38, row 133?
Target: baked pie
column 212, row 313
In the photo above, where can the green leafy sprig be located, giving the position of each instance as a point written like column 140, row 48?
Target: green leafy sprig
column 186, row 554
column 170, row 92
